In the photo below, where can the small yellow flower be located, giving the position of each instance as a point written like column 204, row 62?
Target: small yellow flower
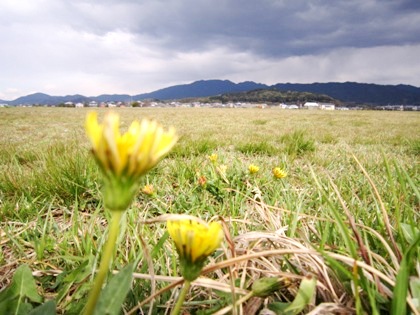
column 148, row 190
column 194, row 240
column 213, row 158
column 123, row 158
column 253, row 169
column 279, row 173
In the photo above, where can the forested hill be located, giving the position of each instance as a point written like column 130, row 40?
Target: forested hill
column 360, row 93
column 273, row 96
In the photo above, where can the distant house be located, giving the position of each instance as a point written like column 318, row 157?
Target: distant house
column 79, row 105
column 311, row 105
column 93, row 104
column 327, row 106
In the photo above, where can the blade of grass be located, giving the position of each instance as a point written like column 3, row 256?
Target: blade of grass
column 399, row 299
column 340, row 222
column 382, row 206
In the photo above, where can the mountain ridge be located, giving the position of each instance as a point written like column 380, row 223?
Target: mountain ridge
column 346, row 92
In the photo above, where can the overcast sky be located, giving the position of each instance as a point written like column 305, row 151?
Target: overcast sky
column 93, row 47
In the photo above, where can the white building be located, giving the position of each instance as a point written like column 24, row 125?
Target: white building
column 327, row 106
column 311, row 105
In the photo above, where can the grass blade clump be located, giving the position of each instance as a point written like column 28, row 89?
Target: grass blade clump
column 257, row 148
column 297, row 143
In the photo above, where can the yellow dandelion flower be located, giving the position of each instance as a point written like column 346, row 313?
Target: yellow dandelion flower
column 132, row 153
column 253, row 169
column 213, row 158
column 279, row 173
column 194, row 240
column 148, row 190
column 123, row 158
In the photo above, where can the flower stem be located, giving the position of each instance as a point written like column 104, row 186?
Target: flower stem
column 181, row 298
column 105, row 261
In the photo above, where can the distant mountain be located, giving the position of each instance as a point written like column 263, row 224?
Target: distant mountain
column 201, row 88
column 111, row 98
column 41, row 98
column 45, row 99
column 347, row 92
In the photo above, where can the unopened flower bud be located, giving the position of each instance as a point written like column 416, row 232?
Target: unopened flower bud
column 266, row 286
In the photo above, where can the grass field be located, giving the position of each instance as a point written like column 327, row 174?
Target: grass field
column 346, row 215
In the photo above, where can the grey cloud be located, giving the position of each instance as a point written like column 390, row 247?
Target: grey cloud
column 267, row 27
column 152, row 43
column 407, row 5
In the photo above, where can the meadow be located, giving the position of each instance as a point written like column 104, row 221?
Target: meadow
column 344, row 221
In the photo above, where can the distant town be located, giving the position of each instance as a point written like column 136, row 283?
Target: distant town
column 249, row 94
column 163, row 104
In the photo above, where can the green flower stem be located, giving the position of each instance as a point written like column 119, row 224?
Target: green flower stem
column 181, row 297
column 105, row 261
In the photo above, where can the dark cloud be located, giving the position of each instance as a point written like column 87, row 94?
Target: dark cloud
column 267, row 27
column 274, row 28
column 132, row 46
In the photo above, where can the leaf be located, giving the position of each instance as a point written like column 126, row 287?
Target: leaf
column 15, row 307
column 409, row 232
column 13, row 300
column 304, row 296
column 415, row 291
column 48, row 308
column 278, row 307
column 113, row 295
column 399, row 299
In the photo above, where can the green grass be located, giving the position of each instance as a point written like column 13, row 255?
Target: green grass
column 298, row 143
column 347, row 214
